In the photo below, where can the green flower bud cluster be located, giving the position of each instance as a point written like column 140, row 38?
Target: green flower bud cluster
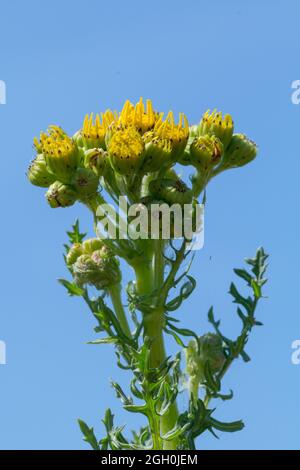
column 92, row 263
column 211, row 351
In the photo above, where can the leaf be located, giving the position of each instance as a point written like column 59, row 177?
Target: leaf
column 184, row 332
column 176, row 337
column 227, row 427
column 72, row 288
column 185, row 291
column 108, row 340
column 239, row 299
column 75, row 236
column 244, row 275
column 89, row 435
column 213, row 383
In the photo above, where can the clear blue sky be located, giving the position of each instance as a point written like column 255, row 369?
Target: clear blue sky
column 62, row 59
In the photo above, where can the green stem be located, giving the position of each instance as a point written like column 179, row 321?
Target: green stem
column 149, row 278
column 115, row 295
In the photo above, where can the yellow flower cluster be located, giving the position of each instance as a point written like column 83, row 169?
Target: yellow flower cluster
column 137, row 141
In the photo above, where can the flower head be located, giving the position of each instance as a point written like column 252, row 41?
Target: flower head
column 94, row 130
column 205, row 152
column 60, row 195
column 125, row 148
column 215, row 124
column 38, row 173
column 175, row 133
column 139, row 116
column 60, row 152
column 240, row 152
column 92, row 263
column 97, row 160
column 165, row 142
column 85, row 182
column 171, row 190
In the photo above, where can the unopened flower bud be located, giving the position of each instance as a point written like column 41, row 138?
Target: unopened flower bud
column 171, row 190
column 73, row 254
column 211, row 351
column 241, row 151
column 91, row 244
column 60, row 195
column 85, row 182
column 60, row 152
column 38, row 173
column 215, row 124
column 96, row 160
column 100, row 269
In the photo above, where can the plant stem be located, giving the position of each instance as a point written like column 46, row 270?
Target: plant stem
column 115, row 295
column 149, row 278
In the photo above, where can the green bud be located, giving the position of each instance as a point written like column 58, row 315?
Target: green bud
column 38, row 173
column 205, row 152
column 74, row 253
column 171, row 190
column 60, row 195
column 158, row 152
column 215, row 124
column 211, row 351
column 96, row 160
column 85, row 182
column 240, row 152
column 99, row 269
column 91, row 244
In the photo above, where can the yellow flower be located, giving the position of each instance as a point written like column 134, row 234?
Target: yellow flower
column 205, row 152
column 141, row 117
column 60, row 152
column 125, row 148
column 167, row 129
column 94, row 130
column 166, row 142
column 215, row 124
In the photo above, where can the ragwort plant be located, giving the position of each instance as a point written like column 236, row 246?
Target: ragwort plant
column 135, row 153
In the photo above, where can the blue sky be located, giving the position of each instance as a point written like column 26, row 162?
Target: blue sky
column 62, row 59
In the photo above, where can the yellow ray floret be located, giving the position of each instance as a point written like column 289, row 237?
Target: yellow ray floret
column 94, row 130
column 140, row 116
column 167, row 129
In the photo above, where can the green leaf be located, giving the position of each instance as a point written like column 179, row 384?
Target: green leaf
column 226, row 427
column 75, row 236
column 72, row 288
column 108, row 340
column 176, row 337
column 89, row 435
column 244, row 275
